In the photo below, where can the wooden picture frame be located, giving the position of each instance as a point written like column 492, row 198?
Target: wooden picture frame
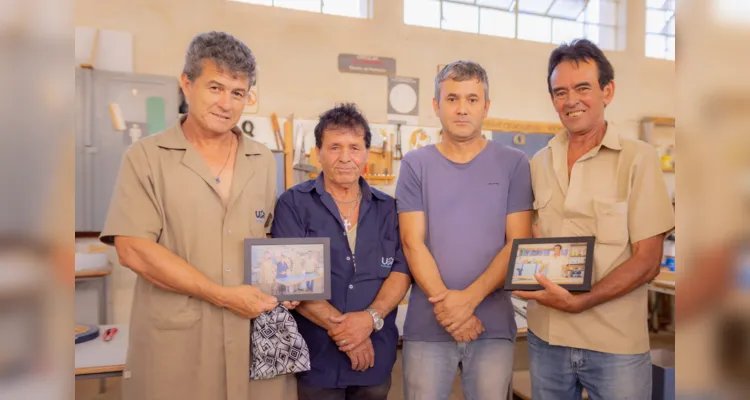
column 305, row 265
column 572, row 269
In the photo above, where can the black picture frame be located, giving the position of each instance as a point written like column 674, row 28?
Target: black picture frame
column 532, row 253
column 288, row 288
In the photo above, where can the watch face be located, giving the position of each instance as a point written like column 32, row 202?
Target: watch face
column 379, row 324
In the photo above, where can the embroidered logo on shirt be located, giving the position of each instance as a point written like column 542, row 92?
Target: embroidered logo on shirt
column 260, row 215
column 386, row 262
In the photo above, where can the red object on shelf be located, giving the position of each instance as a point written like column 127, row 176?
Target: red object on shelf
column 109, row 334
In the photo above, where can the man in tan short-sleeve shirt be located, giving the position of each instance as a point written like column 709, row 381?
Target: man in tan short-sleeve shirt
column 184, row 201
column 591, row 181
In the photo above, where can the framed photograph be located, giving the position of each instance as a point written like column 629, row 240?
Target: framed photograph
column 293, row 269
column 567, row 261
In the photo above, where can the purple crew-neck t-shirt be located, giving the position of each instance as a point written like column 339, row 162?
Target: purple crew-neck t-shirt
column 465, row 206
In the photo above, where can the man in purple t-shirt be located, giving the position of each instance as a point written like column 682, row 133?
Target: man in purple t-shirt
column 461, row 203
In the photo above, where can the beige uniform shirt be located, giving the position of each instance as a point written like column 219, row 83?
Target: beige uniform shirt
column 181, row 347
column 617, row 193
column 555, row 267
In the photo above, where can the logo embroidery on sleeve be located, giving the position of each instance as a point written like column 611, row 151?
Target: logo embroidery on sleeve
column 386, row 262
column 260, row 215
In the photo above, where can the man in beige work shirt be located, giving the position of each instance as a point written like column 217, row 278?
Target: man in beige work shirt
column 184, row 201
column 591, row 181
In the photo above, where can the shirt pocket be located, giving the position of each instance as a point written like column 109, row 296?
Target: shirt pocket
column 170, row 310
column 611, row 221
column 542, row 211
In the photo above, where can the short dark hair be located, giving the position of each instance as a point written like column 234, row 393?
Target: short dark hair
column 557, row 245
column 581, row 50
column 345, row 115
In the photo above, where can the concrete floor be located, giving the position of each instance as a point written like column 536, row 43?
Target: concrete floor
column 89, row 389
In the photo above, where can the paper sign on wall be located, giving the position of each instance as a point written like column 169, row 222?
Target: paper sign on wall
column 403, row 100
column 372, row 65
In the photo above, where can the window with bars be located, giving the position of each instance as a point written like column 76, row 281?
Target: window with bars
column 732, row 12
column 660, row 18
column 346, row 8
column 548, row 21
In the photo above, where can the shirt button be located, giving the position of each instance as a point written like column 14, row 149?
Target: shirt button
column 351, row 286
column 228, row 269
column 229, row 231
column 344, row 233
column 348, row 258
column 229, row 340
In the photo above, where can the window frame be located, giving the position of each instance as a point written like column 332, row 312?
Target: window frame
column 665, row 55
column 516, row 11
column 366, row 5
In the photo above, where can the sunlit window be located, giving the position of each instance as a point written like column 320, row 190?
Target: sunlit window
column 346, row 8
column 547, row 21
column 660, row 18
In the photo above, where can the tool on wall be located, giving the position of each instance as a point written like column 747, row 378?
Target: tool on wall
column 277, row 132
column 398, row 154
column 299, row 153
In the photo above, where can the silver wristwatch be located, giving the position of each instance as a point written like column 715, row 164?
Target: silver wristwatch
column 376, row 319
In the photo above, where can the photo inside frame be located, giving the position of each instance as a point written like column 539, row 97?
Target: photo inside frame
column 562, row 263
column 294, row 269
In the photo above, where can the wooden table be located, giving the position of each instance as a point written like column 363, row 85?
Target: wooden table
column 665, row 282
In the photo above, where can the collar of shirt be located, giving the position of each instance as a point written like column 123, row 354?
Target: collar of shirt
column 611, row 141
column 559, row 147
column 319, row 186
column 175, row 139
column 244, row 170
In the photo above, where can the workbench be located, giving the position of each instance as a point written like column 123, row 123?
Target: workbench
column 663, row 286
column 97, row 359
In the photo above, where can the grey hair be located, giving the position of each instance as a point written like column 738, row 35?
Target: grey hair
column 228, row 52
column 462, row 71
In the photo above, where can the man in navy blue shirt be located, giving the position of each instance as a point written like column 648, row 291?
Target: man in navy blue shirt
column 352, row 337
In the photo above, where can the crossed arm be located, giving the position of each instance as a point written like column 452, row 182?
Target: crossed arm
column 454, row 309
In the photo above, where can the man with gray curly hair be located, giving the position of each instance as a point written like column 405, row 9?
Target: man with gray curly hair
column 184, row 201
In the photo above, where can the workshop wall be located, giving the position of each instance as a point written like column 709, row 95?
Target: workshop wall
column 297, row 54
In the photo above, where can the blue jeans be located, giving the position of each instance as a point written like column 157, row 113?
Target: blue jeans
column 561, row 373
column 430, row 367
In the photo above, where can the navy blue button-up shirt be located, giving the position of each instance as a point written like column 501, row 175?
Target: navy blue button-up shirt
column 307, row 210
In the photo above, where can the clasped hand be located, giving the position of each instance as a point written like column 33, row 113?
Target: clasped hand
column 454, row 309
column 351, row 333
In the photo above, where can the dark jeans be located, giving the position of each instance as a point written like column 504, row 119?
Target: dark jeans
column 378, row 392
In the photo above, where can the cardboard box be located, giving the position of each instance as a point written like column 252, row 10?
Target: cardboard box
column 662, row 370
